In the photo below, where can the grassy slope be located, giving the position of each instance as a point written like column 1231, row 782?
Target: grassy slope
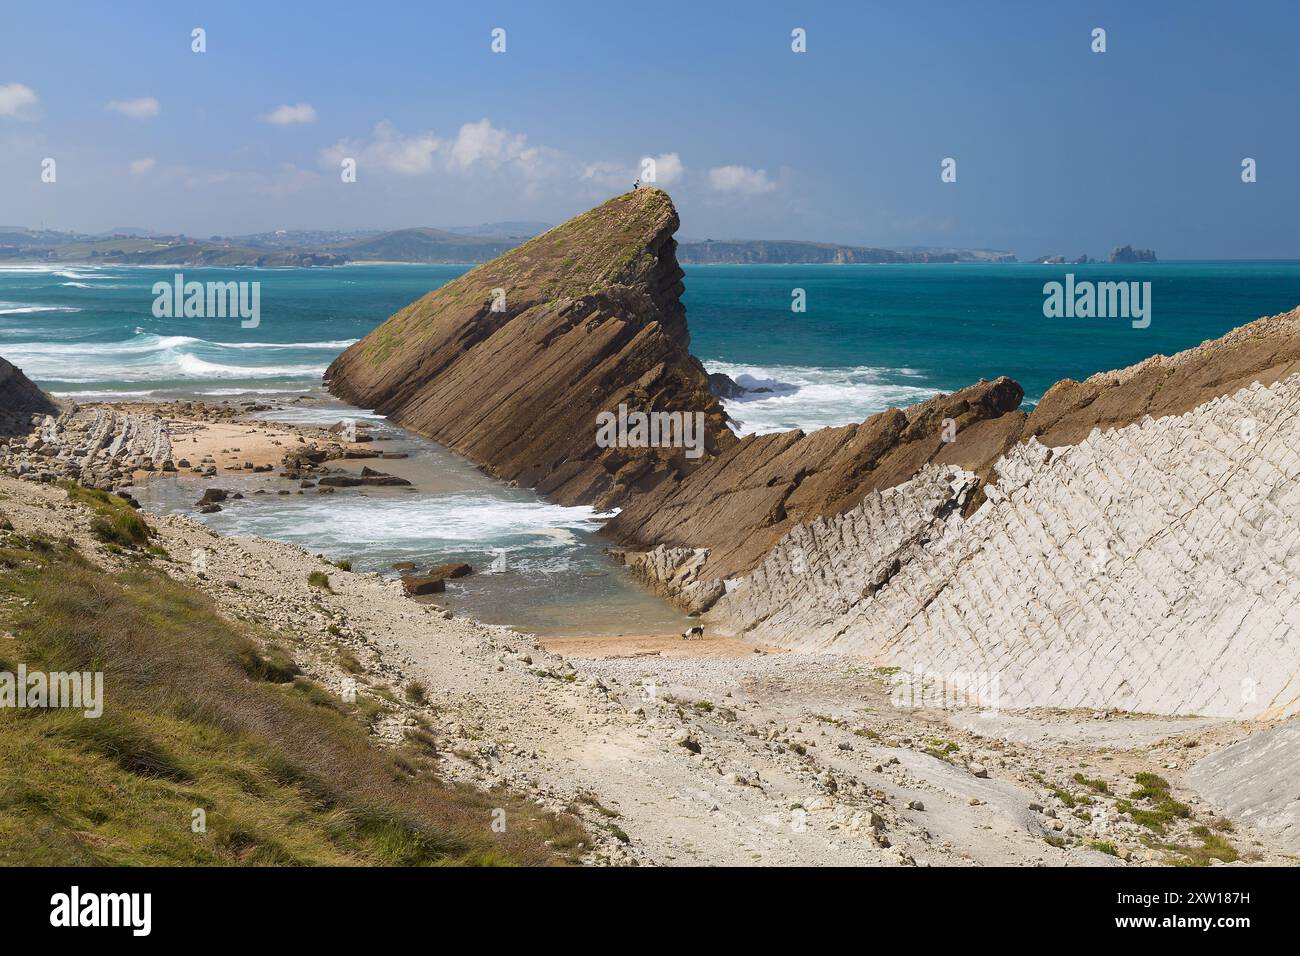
column 196, row 715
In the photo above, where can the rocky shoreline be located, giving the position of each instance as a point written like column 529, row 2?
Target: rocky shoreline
column 771, row 759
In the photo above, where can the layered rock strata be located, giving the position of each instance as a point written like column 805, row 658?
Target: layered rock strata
column 100, row 448
column 686, row 538
column 22, row 404
column 511, row 363
column 1116, row 547
column 1151, row 568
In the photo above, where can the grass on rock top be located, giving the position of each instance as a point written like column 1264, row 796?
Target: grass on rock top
column 602, row 246
column 199, row 716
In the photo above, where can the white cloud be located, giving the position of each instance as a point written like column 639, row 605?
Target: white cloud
column 388, row 150
column 617, row 175
column 477, row 147
column 141, row 166
column 15, row 99
column 668, row 169
column 482, row 142
column 144, row 107
column 740, row 179
column 285, row 115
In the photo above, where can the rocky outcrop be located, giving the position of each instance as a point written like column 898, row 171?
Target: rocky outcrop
column 737, row 505
column 1082, row 553
column 511, row 363
column 1266, row 351
column 20, row 400
column 42, row 440
column 1129, row 254
column 100, row 448
column 1149, row 568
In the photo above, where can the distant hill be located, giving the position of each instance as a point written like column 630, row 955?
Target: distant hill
column 133, row 231
column 502, row 230
column 459, row 244
column 175, row 251
column 424, row 245
column 787, row 251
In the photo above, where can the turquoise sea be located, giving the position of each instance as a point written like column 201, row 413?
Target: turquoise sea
column 871, row 337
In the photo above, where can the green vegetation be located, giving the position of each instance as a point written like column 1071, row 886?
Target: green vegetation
column 1151, row 785
column 1213, row 847
column 1064, row 796
column 349, row 661
column 940, row 748
column 319, row 579
column 1098, row 785
column 1161, row 808
column 1104, row 846
column 115, row 522
column 210, row 751
column 587, row 798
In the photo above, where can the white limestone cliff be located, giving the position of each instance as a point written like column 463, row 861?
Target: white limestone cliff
column 1152, row 568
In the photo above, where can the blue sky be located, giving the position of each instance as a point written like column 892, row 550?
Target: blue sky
column 1058, row 149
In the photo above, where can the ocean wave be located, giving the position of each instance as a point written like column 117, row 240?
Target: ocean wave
column 337, row 345
column 19, row 308
column 815, row 397
column 247, row 391
column 191, row 366
column 147, row 357
column 102, row 394
column 37, row 268
column 328, row 415
column 418, row 525
column 69, row 274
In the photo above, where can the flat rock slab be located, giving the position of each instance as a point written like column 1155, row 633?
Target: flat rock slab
column 1257, row 781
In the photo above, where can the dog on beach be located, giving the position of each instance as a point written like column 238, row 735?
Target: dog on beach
column 695, row 633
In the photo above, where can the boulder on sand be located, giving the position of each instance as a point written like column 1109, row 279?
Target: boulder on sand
column 454, row 569
column 212, row 496
column 416, row 584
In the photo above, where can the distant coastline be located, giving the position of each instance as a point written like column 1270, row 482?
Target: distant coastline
column 421, row 245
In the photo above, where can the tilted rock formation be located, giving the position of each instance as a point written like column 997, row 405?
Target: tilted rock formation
column 1082, row 555
column 511, row 363
column 591, row 320
column 740, row 503
column 1151, row 568
column 20, row 400
column 97, row 447
column 685, row 538
column 1266, row 351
